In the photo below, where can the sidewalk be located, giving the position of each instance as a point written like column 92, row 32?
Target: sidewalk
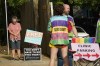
column 5, row 61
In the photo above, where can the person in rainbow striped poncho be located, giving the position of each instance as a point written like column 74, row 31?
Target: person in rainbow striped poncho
column 58, row 27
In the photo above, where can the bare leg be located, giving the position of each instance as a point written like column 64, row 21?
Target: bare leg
column 19, row 53
column 13, row 53
column 64, row 55
column 53, row 56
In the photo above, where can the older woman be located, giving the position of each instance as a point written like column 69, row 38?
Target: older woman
column 14, row 30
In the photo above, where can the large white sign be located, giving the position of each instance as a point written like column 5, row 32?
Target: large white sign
column 88, row 51
column 33, row 37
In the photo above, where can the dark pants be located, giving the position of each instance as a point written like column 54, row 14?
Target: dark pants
column 70, row 57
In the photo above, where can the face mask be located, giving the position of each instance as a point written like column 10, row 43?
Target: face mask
column 14, row 20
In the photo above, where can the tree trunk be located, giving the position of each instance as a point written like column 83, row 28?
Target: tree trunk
column 43, row 22
column 27, row 20
column 35, row 3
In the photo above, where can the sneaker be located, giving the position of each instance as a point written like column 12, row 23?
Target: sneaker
column 13, row 59
column 20, row 58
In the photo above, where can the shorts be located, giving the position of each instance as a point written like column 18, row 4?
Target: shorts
column 15, row 44
column 53, row 46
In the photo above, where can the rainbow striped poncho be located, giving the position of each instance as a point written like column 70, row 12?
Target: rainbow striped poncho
column 58, row 26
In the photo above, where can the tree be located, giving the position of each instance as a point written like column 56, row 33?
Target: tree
column 16, row 3
column 91, row 4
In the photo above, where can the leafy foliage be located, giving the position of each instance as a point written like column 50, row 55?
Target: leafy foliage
column 90, row 3
column 16, row 3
